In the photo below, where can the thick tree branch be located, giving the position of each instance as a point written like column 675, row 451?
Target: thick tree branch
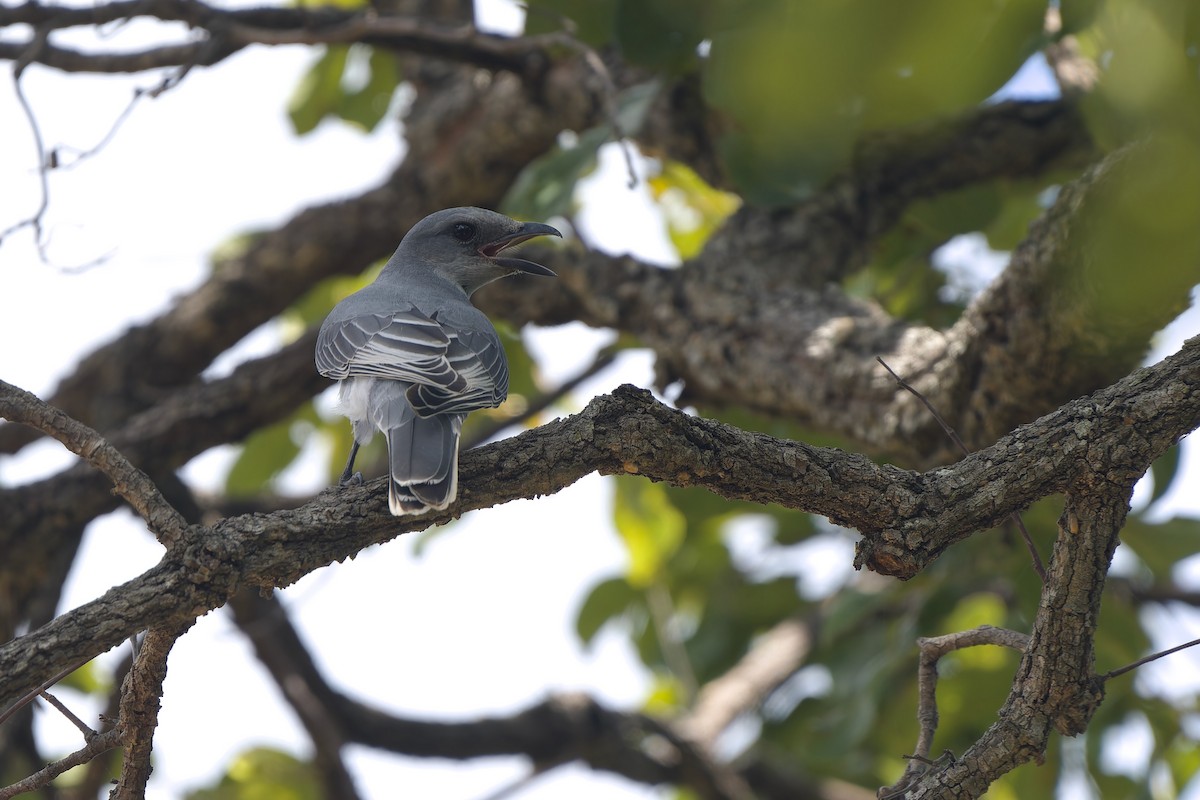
column 932, row 650
column 556, row 731
column 715, row 357
column 1055, row 688
column 45, row 519
column 141, row 693
column 907, row 518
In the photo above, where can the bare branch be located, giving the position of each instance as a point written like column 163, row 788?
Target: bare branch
column 83, row 727
column 264, row 621
column 32, row 48
column 932, row 650
column 97, row 745
column 128, row 481
column 1152, row 657
column 228, row 31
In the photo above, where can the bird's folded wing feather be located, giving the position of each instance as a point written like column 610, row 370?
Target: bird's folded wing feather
column 453, row 368
column 476, row 356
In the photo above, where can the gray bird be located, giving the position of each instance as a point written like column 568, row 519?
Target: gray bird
column 412, row 355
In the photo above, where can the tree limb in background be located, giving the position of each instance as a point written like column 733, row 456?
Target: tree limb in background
column 278, row 646
column 229, row 30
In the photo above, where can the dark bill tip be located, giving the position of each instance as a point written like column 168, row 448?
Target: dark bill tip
column 531, row 229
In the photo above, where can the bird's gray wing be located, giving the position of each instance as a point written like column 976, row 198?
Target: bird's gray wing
column 479, row 361
column 403, row 345
column 476, row 356
column 454, row 361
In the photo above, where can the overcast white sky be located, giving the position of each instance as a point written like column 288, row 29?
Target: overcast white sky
column 484, row 622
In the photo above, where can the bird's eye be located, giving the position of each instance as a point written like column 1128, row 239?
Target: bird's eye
column 463, row 231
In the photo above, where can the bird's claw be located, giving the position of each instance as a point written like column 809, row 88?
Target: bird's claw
column 351, row 480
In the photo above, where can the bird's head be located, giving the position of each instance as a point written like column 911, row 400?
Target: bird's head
column 464, row 246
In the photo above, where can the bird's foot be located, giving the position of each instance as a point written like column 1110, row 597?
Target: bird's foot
column 351, row 480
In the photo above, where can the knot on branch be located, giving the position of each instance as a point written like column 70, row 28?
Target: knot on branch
column 1077, row 708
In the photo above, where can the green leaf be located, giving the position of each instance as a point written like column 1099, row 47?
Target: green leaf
column 266, row 453
column 263, row 773
column 320, row 90
column 651, row 528
column 1020, row 205
column 89, row 679
column 546, row 186
column 1120, row 637
column 367, row 106
column 659, row 34
column 634, row 103
column 1162, row 545
column 800, row 82
column 1164, row 470
column 693, row 210
column 608, row 599
column 667, row 695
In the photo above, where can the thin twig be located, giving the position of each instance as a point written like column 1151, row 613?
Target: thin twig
column 620, row 135
column 46, row 161
column 510, row 789
column 590, row 57
column 29, row 696
column 1152, row 657
column 99, row 743
column 1038, row 565
column 30, row 53
column 84, row 728
column 82, row 155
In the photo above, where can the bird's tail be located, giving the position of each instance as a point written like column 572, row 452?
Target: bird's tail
column 422, row 451
column 423, row 454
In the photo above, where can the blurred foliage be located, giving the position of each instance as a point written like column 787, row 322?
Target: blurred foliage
column 692, row 209
column 354, row 83
column 268, row 451
column 545, row 188
column 264, row 774
column 682, row 543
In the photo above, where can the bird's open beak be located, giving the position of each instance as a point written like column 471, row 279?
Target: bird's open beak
column 526, row 232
